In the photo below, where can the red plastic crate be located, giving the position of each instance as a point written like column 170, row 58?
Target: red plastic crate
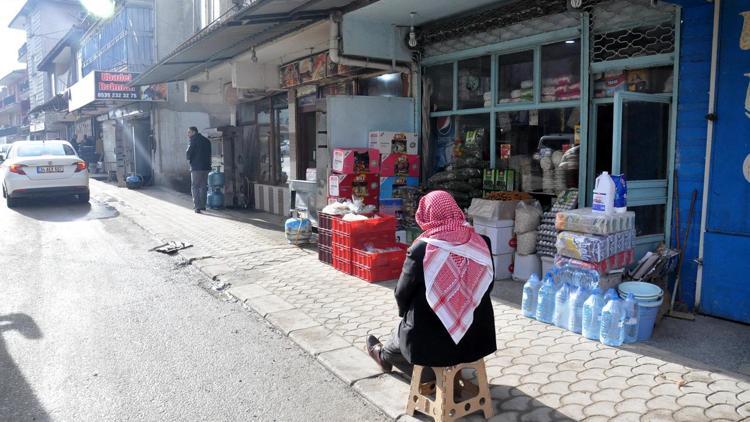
column 380, row 259
column 363, row 227
column 325, row 237
column 343, row 265
column 325, row 254
column 342, row 251
column 377, row 239
column 325, row 221
column 376, row 274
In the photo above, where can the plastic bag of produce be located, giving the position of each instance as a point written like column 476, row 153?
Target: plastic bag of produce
column 528, row 216
column 526, row 242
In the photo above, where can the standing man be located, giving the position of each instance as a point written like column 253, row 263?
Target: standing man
column 199, row 157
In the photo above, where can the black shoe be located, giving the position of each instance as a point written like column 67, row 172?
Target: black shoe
column 373, row 348
column 197, row 211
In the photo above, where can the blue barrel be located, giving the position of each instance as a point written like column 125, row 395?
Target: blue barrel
column 215, row 199
column 216, row 179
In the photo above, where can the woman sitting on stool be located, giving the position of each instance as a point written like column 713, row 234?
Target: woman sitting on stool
column 443, row 294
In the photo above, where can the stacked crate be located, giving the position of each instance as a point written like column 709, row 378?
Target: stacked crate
column 349, row 235
column 325, row 237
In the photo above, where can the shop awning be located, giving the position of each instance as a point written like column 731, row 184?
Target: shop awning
column 254, row 25
column 58, row 103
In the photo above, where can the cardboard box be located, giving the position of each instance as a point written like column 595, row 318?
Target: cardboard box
column 501, row 238
column 395, row 164
column 355, row 160
column 503, row 266
column 392, row 206
column 364, row 186
column 388, row 184
column 399, row 142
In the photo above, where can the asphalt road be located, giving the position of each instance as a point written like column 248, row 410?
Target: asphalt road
column 93, row 327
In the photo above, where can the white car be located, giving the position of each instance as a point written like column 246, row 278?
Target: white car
column 41, row 169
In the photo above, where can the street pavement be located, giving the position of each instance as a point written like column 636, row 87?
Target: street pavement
column 539, row 372
column 94, row 327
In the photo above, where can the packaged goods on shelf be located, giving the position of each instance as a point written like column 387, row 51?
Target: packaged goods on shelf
column 615, row 262
column 606, row 84
column 528, row 216
column 593, row 248
column 584, row 220
column 398, row 142
column 355, row 160
column 497, row 179
column 396, row 164
column 388, row 185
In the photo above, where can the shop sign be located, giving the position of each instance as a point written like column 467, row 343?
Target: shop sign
column 310, row 69
column 113, row 86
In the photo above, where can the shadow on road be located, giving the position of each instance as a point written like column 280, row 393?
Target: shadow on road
column 60, row 210
column 17, row 399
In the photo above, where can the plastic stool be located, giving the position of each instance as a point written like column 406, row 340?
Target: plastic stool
column 448, row 389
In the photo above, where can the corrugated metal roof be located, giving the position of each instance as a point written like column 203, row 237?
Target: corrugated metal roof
column 236, row 32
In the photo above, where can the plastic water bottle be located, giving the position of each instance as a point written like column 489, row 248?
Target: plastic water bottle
column 611, row 294
column 592, row 312
column 631, row 319
column 545, row 307
column 530, row 296
column 561, row 306
column 575, row 309
column 612, row 332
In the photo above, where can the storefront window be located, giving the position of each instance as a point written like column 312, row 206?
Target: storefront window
column 466, row 136
column 561, row 70
column 441, row 79
column 655, row 80
column 245, row 114
column 474, row 83
column 540, row 146
column 516, row 77
column 282, row 136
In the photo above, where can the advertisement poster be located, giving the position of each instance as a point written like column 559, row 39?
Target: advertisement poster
column 114, row 86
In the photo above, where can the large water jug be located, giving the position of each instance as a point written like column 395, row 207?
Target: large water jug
column 530, row 296
column 611, row 294
column 631, row 319
column 561, row 306
column 545, row 307
column 592, row 312
column 604, row 194
column 612, row 332
column 575, row 309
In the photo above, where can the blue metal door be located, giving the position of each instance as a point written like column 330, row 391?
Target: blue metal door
column 725, row 290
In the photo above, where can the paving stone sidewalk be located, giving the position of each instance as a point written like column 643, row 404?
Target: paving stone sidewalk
column 539, row 372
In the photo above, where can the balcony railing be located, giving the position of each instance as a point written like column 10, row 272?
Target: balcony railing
column 10, row 99
column 9, row 131
column 22, row 52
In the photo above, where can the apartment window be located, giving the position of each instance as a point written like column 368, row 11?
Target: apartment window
column 209, row 11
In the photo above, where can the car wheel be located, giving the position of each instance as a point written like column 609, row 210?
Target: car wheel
column 10, row 202
column 5, row 195
column 84, row 197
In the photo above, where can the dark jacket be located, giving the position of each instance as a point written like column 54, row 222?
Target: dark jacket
column 199, row 153
column 422, row 337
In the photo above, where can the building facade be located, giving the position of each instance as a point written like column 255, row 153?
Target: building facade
column 14, row 109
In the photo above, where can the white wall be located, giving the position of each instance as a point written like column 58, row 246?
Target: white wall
column 170, row 165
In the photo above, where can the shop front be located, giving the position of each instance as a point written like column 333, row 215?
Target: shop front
column 567, row 94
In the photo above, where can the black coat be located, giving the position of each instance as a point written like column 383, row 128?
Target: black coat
column 199, row 153
column 423, row 338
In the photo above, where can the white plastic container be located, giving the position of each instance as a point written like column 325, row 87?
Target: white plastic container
column 604, row 194
column 500, row 234
column 525, row 265
column 503, row 266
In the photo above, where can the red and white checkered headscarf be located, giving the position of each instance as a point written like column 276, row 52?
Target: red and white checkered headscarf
column 457, row 263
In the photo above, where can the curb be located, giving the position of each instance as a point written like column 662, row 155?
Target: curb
column 353, row 366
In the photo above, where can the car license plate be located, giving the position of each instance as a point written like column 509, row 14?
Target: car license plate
column 50, row 169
